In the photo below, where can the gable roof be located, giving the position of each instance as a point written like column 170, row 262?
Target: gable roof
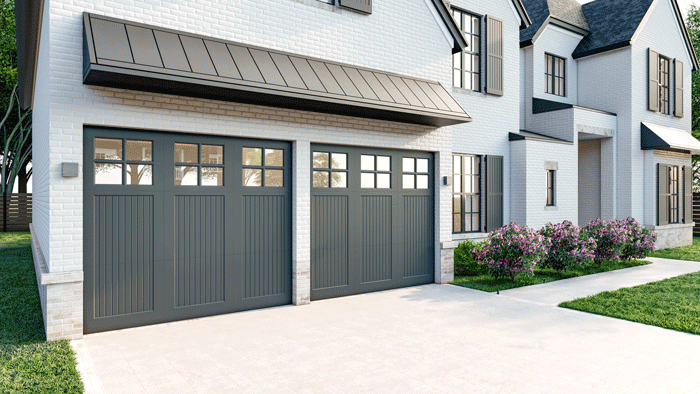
column 563, row 13
column 460, row 42
column 615, row 22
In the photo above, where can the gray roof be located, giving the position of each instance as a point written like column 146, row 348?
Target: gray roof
column 568, row 11
column 132, row 55
column 531, row 135
column 612, row 22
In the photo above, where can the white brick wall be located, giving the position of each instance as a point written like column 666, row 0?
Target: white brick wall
column 530, row 206
column 494, row 116
column 559, row 42
column 40, row 142
column 386, row 40
column 397, row 37
column 614, row 81
column 662, row 33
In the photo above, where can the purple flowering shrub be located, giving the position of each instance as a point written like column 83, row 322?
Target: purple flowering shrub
column 620, row 239
column 609, row 237
column 567, row 246
column 640, row 241
column 511, row 250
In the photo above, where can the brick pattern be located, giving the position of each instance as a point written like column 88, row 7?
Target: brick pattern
column 301, row 224
column 61, row 297
column 386, row 40
column 494, row 117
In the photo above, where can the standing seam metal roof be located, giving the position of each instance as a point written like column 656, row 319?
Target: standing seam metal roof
column 131, row 55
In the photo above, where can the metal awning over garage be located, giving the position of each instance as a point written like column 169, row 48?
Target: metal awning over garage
column 129, row 55
column 668, row 138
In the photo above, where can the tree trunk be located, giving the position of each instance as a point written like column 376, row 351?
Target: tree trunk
column 22, row 179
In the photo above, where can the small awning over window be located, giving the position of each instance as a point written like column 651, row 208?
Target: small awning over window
column 667, row 138
column 130, row 55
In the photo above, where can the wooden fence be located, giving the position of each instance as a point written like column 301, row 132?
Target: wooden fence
column 15, row 212
column 696, row 214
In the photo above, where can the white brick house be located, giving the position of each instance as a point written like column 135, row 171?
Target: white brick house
column 245, row 154
column 590, row 77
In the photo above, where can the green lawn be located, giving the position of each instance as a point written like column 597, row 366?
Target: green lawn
column 683, row 253
column 671, row 303
column 488, row 283
column 28, row 364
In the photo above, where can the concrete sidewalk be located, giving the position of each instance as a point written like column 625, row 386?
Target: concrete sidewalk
column 554, row 293
column 425, row 339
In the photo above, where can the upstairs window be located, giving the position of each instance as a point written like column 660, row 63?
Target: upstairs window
column 466, row 65
column 664, row 84
column 555, row 75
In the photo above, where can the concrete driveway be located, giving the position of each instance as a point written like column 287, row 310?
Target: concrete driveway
column 427, row 339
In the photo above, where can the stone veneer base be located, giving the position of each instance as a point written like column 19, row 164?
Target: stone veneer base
column 61, row 296
column 674, row 235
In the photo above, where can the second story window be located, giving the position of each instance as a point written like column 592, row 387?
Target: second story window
column 466, row 65
column 664, row 83
column 555, row 75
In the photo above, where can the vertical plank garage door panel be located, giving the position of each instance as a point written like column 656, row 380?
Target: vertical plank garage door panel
column 199, row 250
column 369, row 230
column 123, row 248
column 161, row 244
column 329, row 242
column 418, row 235
column 376, row 238
column 265, row 273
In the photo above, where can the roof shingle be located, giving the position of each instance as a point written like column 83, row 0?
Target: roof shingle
column 569, row 11
column 613, row 23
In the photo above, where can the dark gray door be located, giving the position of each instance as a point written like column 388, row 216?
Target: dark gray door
column 371, row 220
column 179, row 226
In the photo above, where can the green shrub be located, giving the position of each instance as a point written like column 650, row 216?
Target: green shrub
column 465, row 261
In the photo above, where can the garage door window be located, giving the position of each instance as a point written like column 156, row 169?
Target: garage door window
column 375, row 172
column 113, row 168
column 415, row 173
column 330, row 169
column 263, row 167
column 199, row 165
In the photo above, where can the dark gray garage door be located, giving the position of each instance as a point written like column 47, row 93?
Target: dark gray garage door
column 179, row 226
column 371, row 220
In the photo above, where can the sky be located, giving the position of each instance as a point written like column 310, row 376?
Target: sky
column 684, row 4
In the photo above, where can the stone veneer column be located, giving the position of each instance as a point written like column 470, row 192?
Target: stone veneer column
column 61, row 296
column 446, row 272
column 301, row 222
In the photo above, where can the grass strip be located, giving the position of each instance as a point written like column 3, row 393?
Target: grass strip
column 488, row 283
column 691, row 252
column 28, row 364
column 672, row 303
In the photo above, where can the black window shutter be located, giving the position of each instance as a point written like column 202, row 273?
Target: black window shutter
column 688, row 191
column 494, row 192
column 653, row 80
column 678, row 108
column 662, row 199
column 494, row 56
column 364, row 6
